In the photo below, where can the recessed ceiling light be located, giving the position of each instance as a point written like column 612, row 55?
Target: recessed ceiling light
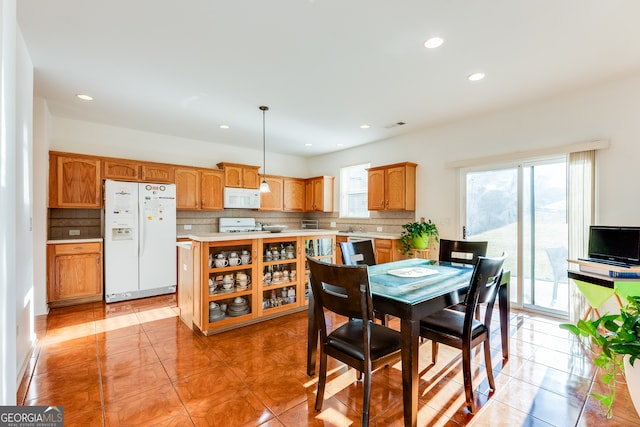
column 339, row 145
column 224, row 126
column 364, row 126
column 433, row 42
column 308, row 144
column 84, row 97
column 475, row 77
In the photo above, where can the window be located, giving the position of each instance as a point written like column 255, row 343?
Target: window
column 353, row 191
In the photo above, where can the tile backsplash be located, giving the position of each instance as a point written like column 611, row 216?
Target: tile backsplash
column 87, row 223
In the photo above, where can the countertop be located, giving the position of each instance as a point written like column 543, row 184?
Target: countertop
column 61, row 241
column 221, row 237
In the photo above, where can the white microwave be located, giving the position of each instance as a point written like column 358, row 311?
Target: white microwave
column 241, row 198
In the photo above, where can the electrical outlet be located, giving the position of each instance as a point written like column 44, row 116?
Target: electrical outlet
column 187, row 226
column 379, row 229
column 74, row 232
column 333, row 224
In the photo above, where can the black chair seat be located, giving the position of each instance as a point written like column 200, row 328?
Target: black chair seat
column 348, row 339
column 450, row 322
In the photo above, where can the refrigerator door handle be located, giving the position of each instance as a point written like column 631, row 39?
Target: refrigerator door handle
column 141, row 239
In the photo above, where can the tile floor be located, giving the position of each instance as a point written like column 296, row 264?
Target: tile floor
column 136, row 363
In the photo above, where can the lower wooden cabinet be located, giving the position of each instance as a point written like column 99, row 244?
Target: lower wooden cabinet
column 74, row 273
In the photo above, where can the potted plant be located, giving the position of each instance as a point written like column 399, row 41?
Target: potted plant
column 615, row 343
column 417, row 235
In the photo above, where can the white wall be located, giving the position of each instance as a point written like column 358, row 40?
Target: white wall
column 97, row 139
column 603, row 112
column 41, row 132
column 25, row 339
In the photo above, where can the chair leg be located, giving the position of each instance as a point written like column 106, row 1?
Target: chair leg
column 434, row 352
column 322, row 380
column 366, row 398
column 488, row 364
column 466, row 374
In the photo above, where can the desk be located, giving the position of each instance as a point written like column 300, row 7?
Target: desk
column 411, row 299
column 598, row 288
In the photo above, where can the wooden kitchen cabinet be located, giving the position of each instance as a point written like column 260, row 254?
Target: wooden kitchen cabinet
column 199, row 189
column 75, row 181
column 387, row 250
column 212, row 189
column 273, row 200
column 319, row 194
column 119, row 169
column 188, row 277
column 240, row 176
column 74, row 273
column 293, row 194
column 392, row 187
column 157, row 172
column 187, row 188
column 338, row 251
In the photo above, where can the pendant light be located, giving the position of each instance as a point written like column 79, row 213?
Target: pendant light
column 264, row 187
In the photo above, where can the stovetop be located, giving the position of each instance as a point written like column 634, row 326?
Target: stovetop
column 238, row 225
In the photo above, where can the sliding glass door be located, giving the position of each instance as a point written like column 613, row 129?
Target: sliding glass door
column 522, row 209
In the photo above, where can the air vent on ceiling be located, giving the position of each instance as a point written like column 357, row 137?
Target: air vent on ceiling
column 396, row 124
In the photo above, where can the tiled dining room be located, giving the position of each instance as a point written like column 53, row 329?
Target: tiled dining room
column 136, row 363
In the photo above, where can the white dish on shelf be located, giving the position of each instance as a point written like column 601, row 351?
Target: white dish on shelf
column 412, row 272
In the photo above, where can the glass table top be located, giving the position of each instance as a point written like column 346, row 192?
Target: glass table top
column 441, row 278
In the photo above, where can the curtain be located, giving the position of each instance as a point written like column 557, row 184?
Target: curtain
column 581, row 213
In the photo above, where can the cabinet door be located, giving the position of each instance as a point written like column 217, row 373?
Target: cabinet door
column 272, row 201
column 293, row 195
column 395, row 188
column 77, row 276
column 383, row 250
column 212, row 189
column 74, row 272
column 120, row 169
column 77, row 183
column 187, row 188
column 233, row 176
column 250, row 177
column 308, row 195
column 376, row 193
column 150, row 172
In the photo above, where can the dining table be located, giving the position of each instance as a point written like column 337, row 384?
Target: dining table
column 411, row 289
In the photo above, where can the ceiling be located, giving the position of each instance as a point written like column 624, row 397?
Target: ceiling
column 324, row 67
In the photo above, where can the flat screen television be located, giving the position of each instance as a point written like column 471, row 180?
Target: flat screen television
column 618, row 244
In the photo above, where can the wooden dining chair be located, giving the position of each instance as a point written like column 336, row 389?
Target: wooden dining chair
column 461, row 251
column 361, row 253
column 358, row 253
column 461, row 329
column 359, row 342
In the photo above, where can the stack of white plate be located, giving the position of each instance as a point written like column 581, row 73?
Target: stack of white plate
column 238, row 307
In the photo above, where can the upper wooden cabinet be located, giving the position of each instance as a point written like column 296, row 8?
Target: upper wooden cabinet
column 240, row 176
column 293, row 195
column 75, row 181
column 199, row 189
column 157, row 172
column 273, row 200
column 319, row 194
column 211, row 189
column 120, row 169
column 131, row 170
column 392, row 187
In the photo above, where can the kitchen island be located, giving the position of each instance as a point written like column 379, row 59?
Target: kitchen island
column 230, row 280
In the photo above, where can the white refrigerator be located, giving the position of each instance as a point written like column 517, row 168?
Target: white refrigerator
column 139, row 240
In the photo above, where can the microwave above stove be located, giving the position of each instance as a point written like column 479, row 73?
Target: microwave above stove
column 241, row 198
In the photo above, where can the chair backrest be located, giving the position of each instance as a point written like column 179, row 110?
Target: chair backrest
column 483, row 288
column 342, row 289
column 462, row 251
column 558, row 259
column 358, row 253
